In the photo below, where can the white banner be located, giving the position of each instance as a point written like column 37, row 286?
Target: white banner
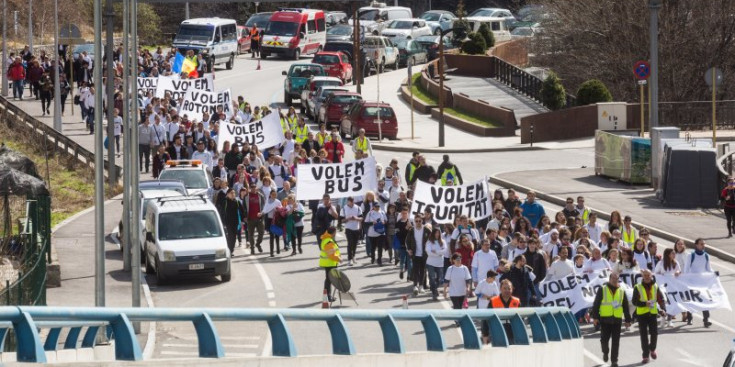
column 264, row 133
column 197, row 101
column 339, row 180
column 178, row 87
column 146, row 85
column 448, row 202
column 687, row 292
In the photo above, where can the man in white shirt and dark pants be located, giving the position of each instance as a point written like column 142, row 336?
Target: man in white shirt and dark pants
column 699, row 264
column 483, row 261
column 352, row 215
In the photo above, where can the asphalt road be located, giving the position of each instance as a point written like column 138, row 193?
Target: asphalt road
column 295, row 281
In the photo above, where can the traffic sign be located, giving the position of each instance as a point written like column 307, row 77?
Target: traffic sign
column 642, row 70
column 718, row 76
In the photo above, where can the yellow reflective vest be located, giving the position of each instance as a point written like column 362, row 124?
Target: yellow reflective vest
column 300, row 133
column 285, row 126
column 629, row 237
column 612, row 304
column 644, row 298
column 293, row 122
column 323, row 138
column 445, row 175
column 362, row 144
column 329, row 253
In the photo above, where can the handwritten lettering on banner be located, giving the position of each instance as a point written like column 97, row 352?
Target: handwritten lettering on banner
column 178, row 87
column 448, row 202
column 196, row 102
column 146, row 85
column 687, row 292
column 339, row 180
column 264, row 133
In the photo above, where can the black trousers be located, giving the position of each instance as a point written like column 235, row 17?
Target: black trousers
column 419, row 271
column 231, row 236
column 608, row 330
column 647, row 325
column 327, row 283
column 272, row 237
column 730, row 219
column 379, row 244
column 144, row 152
column 353, row 236
column 45, row 102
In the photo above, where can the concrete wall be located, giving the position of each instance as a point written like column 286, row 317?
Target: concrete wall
column 432, row 86
column 567, row 353
column 418, row 105
column 470, row 65
column 506, row 117
column 570, row 123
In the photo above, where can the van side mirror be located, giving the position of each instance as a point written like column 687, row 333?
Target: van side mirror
column 302, row 35
column 284, row 72
column 216, row 39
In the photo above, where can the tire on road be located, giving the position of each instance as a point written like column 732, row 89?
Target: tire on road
column 297, row 54
column 230, row 63
column 287, row 99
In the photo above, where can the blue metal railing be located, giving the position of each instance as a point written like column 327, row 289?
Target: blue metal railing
column 546, row 325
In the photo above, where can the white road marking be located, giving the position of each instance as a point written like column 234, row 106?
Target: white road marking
column 593, row 357
column 731, row 330
column 178, row 353
column 267, row 346
column 271, row 295
column 272, row 304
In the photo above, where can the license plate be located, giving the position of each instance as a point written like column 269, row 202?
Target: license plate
column 196, row 266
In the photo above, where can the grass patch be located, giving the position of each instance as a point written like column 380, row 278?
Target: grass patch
column 71, row 183
column 423, row 95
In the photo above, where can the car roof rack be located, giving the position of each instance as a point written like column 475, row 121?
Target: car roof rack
column 164, row 200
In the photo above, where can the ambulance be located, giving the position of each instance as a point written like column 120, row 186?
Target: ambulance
column 294, row 32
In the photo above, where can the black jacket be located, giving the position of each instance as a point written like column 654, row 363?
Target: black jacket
column 310, row 145
column 232, row 159
column 536, row 261
column 423, row 173
column 595, row 310
column 182, row 152
column 411, row 241
column 522, row 284
column 229, row 212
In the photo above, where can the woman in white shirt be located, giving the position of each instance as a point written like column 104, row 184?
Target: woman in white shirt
column 641, row 255
column 375, row 220
column 682, row 255
column 269, row 211
column 669, row 266
column 435, row 248
column 458, row 282
column 267, row 186
column 486, row 290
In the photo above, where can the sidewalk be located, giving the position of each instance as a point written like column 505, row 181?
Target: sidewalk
column 604, row 195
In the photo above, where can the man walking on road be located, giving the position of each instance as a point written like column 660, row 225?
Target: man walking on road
column 448, row 171
column 16, row 73
column 647, row 298
column 728, row 199
column 532, row 209
column 329, row 257
column 608, row 310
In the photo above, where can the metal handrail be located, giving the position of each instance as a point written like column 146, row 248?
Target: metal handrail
column 547, row 324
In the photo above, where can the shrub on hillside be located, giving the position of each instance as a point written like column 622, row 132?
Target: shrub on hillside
column 553, row 95
column 593, row 91
column 487, row 34
column 475, row 45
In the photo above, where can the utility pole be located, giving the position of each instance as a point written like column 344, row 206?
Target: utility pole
column 127, row 243
column 99, row 181
column 5, row 48
column 30, row 25
column 186, row 11
column 57, row 87
column 110, row 91
column 135, row 161
column 654, row 6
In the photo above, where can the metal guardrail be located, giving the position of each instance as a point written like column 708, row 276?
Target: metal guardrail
column 697, row 115
column 16, row 118
column 526, row 83
column 547, row 324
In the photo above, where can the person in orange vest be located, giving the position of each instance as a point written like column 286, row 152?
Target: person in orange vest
column 506, row 300
column 255, row 41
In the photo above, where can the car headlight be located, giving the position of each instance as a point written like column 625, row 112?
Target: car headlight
column 220, row 254
column 169, row 256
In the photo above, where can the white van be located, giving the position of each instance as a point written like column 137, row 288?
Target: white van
column 184, row 237
column 216, row 37
column 377, row 16
column 497, row 25
column 294, row 32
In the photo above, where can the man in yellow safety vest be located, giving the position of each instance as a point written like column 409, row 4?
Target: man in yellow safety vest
column 329, row 257
column 448, row 171
column 608, row 310
column 647, row 299
column 628, row 231
column 362, row 143
column 301, row 131
column 411, row 166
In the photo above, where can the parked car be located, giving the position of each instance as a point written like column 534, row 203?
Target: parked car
column 497, row 26
column 494, row 13
column 364, row 115
column 343, row 32
column 313, row 84
column 296, row 78
column 439, row 20
column 407, row 28
column 525, row 31
column 411, row 52
column 184, row 237
column 367, row 63
column 319, row 96
column 382, row 50
column 376, row 16
column 336, row 104
column 333, row 18
column 431, row 44
column 336, row 64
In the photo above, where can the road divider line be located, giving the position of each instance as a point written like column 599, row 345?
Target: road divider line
column 594, row 358
column 267, row 345
column 150, row 342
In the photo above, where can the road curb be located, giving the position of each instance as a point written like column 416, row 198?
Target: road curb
column 724, row 255
column 391, row 148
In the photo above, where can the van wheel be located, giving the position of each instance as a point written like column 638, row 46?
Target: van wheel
column 226, row 277
column 287, row 99
column 263, row 55
column 160, row 278
column 297, row 54
column 230, row 63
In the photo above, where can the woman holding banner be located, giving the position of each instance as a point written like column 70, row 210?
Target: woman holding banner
column 669, row 266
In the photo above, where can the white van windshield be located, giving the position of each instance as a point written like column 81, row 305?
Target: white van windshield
column 188, row 225
column 287, row 29
column 195, row 32
column 192, row 178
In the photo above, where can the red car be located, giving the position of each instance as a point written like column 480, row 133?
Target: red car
column 335, row 63
column 336, row 105
column 364, row 115
column 243, row 39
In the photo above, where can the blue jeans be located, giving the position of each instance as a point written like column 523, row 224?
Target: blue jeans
column 404, row 260
column 17, row 89
column 369, row 247
column 436, row 276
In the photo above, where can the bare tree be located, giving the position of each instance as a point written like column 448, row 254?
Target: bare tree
column 584, row 39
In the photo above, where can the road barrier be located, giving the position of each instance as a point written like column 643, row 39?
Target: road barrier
column 548, row 324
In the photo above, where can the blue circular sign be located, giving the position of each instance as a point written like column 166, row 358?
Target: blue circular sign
column 642, row 70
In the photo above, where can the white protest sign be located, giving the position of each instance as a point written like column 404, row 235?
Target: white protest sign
column 264, row 133
column 339, row 180
column 146, row 85
column 687, row 292
column 448, row 202
column 178, row 87
column 197, row 101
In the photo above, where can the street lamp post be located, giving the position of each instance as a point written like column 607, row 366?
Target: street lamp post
column 5, row 49
column 441, row 82
column 654, row 6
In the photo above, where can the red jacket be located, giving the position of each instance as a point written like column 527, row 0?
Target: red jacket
column 16, row 72
column 728, row 203
column 330, row 147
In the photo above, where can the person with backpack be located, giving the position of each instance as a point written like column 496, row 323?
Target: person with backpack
column 448, row 171
column 699, row 264
column 272, row 205
column 376, row 222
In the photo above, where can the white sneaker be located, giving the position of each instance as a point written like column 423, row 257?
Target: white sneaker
column 416, row 291
column 422, row 290
column 352, row 263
